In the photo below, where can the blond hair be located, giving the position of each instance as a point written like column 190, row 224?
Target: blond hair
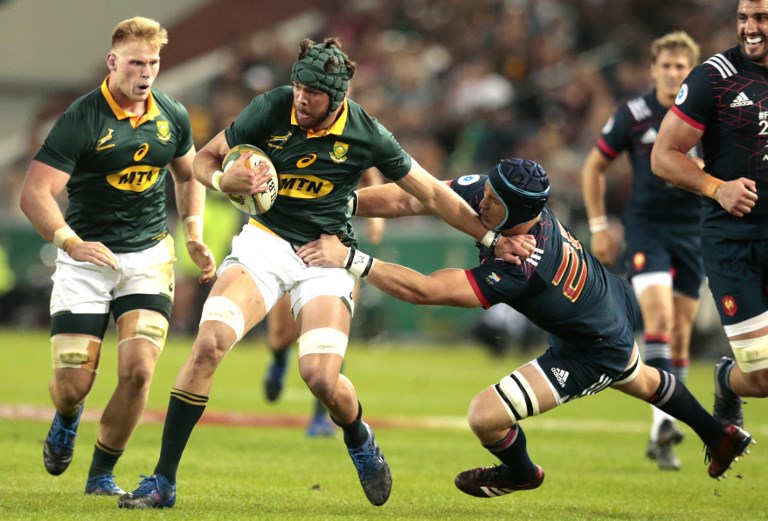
column 142, row 29
column 677, row 41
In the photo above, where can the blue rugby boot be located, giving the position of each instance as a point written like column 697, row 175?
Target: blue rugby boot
column 372, row 469
column 60, row 444
column 154, row 492
column 103, row 485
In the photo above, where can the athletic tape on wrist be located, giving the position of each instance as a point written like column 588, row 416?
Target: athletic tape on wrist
column 490, row 239
column 711, row 187
column 62, row 234
column 598, row 224
column 192, row 227
column 358, row 263
column 216, row 179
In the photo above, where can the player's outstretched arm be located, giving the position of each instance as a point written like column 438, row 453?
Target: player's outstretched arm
column 448, row 287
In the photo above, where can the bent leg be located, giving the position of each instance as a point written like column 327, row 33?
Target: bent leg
column 234, row 306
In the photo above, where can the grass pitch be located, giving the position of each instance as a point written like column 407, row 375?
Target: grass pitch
column 415, row 396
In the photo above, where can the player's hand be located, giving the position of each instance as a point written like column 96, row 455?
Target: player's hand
column 327, row 251
column 738, row 197
column 242, row 179
column 203, row 258
column 515, row 248
column 605, row 247
column 95, row 253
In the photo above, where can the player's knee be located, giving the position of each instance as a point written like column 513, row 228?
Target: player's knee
column 478, row 414
column 143, row 324
column 136, row 378
column 208, row 350
column 322, row 384
column 486, row 416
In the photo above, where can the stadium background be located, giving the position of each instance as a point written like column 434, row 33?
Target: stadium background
column 460, row 84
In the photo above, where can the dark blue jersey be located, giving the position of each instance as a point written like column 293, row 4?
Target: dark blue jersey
column 561, row 288
column 726, row 97
column 633, row 128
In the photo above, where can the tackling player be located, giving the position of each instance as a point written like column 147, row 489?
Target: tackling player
column 589, row 313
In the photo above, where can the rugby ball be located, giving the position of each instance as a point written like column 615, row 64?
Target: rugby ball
column 252, row 204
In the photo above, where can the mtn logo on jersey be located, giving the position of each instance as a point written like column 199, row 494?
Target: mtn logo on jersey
column 137, row 178
column 649, row 137
column 561, row 375
column 303, row 186
column 741, row 101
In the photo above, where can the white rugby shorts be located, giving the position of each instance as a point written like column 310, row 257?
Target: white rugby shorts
column 82, row 287
column 276, row 269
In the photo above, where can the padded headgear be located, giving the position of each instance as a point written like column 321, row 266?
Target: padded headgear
column 522, row 186
column 324, row 68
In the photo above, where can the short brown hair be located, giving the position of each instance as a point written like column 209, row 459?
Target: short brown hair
column 677, row 41
column 141, row 29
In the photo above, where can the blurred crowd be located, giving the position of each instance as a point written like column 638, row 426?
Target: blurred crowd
column 463, row 84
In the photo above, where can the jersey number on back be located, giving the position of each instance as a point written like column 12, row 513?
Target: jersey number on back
column 573, row 264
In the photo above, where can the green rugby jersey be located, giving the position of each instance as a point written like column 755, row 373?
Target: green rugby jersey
column 317, row 171
column 118, row 165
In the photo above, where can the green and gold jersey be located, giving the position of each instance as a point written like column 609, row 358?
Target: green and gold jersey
column 117, row 163
column 317, row 171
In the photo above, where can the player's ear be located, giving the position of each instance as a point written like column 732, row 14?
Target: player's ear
column 111, row 61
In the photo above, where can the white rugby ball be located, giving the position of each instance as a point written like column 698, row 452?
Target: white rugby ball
column 253, row 204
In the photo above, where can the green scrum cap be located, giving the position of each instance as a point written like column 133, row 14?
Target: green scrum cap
column 324, row 69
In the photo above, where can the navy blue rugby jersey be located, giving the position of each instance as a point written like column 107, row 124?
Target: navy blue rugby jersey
column 633, row 128
column 561, row 288
column 726, row 97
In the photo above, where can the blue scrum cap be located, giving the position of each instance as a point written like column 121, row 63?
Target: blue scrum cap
column 522, row 186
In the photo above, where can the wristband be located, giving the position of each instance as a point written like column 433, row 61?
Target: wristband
column 192, row 227
column 66, row 238
column 598, row 224
column 711, row 187
column 358, row 263
column 490, row 239
column 216, row 179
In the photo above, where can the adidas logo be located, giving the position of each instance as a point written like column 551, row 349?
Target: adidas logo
column 561, row 375
column 649, row 137
column 741, row 101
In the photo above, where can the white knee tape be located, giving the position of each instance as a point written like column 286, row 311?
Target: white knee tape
column 751, row 354
column 517, row 396
column 323, row 341
column 221, row 309
column 645, row 280
column 145, row 324
column 73, row 351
